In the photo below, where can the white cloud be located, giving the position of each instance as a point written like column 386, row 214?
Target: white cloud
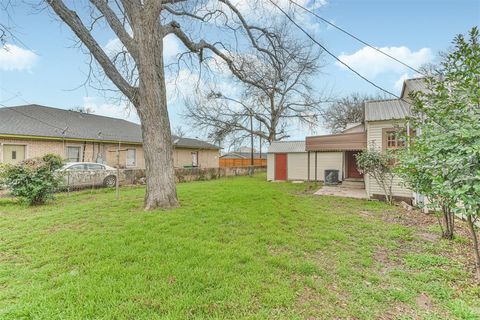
column 121, row 111
column 399, row 83
column 113, row 46
column 15, row 58
column 256, row 12
column 255, row 8
column 171, row 47
column 372, row 63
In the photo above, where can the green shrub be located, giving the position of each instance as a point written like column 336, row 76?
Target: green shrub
column 378, row 165
column 33, row 180
column 54, row 161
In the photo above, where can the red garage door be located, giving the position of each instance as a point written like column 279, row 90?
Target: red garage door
column 281, row 166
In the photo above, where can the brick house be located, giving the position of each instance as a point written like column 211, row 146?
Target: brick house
column 32, row 131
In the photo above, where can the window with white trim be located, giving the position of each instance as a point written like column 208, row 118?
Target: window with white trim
column 195, row 159
column 73, row 154
column 131, row 157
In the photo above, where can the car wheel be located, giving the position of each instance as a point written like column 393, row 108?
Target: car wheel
column 110, row 181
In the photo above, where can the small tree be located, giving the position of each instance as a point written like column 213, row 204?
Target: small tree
column 377, row 164
column 443, row 162
column 33, row 180
column 421, row 171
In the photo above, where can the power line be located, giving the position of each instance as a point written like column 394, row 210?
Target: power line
column 331, row 54
column 355, row 37
column 5, row 29
column 33, row 118
column 62, row 130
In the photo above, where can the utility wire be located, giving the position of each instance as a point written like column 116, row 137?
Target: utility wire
column 331, row 54
column 355, row 37
column 6, row 30
column 66, row 129
column 33, row 118
column 62, row 130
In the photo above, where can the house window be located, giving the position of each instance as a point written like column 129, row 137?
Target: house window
column 393, row 139
column 73, row 154
column 14, row 155
column 131, row 157
column 195, row 159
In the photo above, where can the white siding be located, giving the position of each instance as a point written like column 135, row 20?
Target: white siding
column 325, row 161
column 375, row 139
column 270, row 166
column 297, row 166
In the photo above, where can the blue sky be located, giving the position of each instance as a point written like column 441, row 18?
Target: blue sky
column 45, row 69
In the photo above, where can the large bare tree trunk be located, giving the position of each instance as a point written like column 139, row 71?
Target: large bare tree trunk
column 153, row 113
column 140, row 74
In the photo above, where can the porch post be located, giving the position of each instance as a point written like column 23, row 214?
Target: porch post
column 308, row 166
column 316, row 166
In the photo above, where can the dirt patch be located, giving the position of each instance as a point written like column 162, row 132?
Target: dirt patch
column 382, row 257
column 13, row 257
column 81, row 225
column 399, row 311
column 428, row 236
column 424, row 302
column 4, row 194
column 278, row 250
column 366, row 214
column 458, row 250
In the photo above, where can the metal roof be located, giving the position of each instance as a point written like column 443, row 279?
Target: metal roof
column 337, row 142
column 287, row 146
column 386, row 110
column 414, row 84
column 41, row 121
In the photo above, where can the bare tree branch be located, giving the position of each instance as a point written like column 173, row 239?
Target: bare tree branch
column 274, row 92
column 72, row 19
column 117, row 26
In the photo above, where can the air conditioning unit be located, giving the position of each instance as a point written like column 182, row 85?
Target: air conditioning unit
column 331, row 177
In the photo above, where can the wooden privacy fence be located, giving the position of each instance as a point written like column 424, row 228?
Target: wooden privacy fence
column 228, row 162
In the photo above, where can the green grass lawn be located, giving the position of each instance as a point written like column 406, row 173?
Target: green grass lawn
column 237, row 248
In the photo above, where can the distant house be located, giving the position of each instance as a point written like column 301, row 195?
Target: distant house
column 33, row 130
column 243, row 155
column 313, row 158
column 242, row 159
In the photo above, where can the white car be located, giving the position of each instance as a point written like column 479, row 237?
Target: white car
column 87, row 174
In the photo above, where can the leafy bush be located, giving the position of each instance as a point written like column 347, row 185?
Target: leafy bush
column 33, row 180
column 54, row 161
column 443, row 162
column 378, row 165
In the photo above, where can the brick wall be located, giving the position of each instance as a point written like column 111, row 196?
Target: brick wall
column 91, row 151
column 206, row 158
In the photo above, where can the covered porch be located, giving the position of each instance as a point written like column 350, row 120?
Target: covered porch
column 345, row 144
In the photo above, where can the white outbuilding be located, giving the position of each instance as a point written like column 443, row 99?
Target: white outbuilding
column 289, row 160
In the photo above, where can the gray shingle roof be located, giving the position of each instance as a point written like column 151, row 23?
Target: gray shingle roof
column 36, row 120
column 386, row 110
column 287, row 146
